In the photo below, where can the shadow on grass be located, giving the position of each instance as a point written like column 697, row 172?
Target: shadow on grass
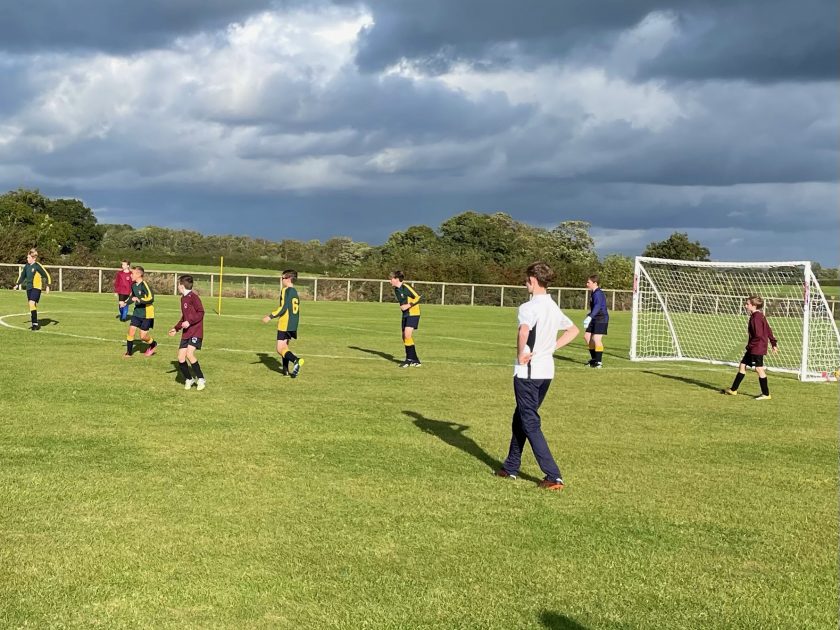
column 379, row 353
column 556, row 621
column 685, row 379
column 271, row 362
column 581, row 362
column 46, row 321
column 179, row 378
column 454, row 434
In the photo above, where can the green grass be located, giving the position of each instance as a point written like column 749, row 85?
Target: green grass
column 360, row 495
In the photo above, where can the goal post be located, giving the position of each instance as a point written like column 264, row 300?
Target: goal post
column 694, row 311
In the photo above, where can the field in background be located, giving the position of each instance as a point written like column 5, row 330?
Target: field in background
column 360, row 495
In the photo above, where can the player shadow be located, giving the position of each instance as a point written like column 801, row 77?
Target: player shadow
column 454, row 434
column 270, row 361
column 46, row 321
column 684, row 379
column 179, row 378
column 556, row 621
column 580, row 361
column 379, row 353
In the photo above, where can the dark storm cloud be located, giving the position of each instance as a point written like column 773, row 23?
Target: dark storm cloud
column 113, row 25
column 763, row 40
column 403, row 108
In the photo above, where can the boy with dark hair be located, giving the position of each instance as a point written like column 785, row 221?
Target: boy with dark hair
column 409, row 301
column 122, row 289
column 288, row 317
column 540, row 319
column 191, row 326
column 143, row 316
column 34, row 278
column 596, row 322
column 759, row 334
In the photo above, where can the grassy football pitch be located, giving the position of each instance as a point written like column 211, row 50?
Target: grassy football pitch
column 360, row 495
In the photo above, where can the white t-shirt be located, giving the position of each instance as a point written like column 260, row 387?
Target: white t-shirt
column 543, row 318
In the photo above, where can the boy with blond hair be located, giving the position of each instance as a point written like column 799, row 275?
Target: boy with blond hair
column 287, row 315
column 143, row 317
column 34, row 278
column 759, row 334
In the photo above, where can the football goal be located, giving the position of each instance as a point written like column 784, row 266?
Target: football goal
column 694, row 311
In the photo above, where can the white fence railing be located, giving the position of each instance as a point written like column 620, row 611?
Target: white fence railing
column 100, row 279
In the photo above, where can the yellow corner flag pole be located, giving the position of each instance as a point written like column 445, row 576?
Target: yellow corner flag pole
column 221, row 275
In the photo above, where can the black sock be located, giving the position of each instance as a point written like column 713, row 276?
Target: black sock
column 33, row 314
column 129, row 346
column 599, row 354
column 153, row 344
column 765, row 389
column 411, row 353
column 290, row 357
column 592, row 353
column 737, row 382
column 185, row 370
column 197, row 369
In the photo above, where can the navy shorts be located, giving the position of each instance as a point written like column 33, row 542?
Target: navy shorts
column 195, row 342
column 143, row 323
column 753, row 360
column 286, row 335
column 598, row 327
column 123, row 297
column 33, row 295
column 412, row 321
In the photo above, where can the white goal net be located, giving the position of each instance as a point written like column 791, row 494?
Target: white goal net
column 694, row 311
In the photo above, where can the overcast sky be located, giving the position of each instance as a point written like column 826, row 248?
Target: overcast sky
column 294, row 119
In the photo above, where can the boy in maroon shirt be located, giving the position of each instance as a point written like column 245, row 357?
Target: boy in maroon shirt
column 122, row 289
column 760, row 334
column 191, row 326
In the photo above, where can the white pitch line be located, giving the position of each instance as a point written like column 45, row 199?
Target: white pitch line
column 558, row 368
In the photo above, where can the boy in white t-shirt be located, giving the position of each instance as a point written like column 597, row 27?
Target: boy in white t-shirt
column 540, row 319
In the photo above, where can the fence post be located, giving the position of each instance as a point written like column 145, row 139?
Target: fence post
column 247, row 286
column 315, row 291
column 442, row 294
column 613, row 301
column 559, row 297
column 61, row 278
column 100, row 281
column 502, row 299
column 381, row 285
column 211, row 284
column 174, row 283
column 472, row 295
column 691, row 303
column 348, row 290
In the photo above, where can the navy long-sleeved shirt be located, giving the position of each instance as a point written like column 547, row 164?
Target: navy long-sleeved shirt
column 598, row 306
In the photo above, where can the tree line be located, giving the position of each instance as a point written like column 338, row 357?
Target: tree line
column 469, row 247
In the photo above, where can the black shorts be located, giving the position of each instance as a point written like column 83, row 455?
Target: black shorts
column 412, row 321
column 123, row 297
column 195, row 342
column 753, row 360
column 143, row 323
column 285, row 335
column 33, row 295
column 598, row 327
